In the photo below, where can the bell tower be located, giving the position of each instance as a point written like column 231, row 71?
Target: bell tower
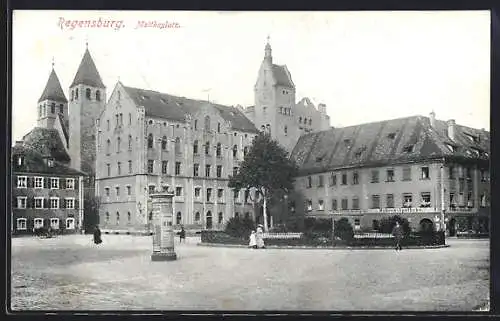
column 52, row 103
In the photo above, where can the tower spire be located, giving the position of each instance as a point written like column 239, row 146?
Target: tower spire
column 53, row 62
column 268, row 51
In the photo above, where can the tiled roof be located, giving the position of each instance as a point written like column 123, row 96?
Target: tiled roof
column 47, row 142
column 385, row 142
column 87, row 73
column 34, row 162
column 53, row 90
column 171, row 107
column 282, row 76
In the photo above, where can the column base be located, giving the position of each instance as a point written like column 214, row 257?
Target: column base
column 163, row 256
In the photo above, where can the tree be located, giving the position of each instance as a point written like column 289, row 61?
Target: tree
column 267, row 169
column 91, row 207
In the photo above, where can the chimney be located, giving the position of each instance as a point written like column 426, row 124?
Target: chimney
column 451, row 129
column 432, row 117
column 322, row 108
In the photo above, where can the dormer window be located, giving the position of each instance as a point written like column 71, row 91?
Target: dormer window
column 391, row 135
column 163, row 100
column 408, row 149
column 87, row 93
column 473, row 138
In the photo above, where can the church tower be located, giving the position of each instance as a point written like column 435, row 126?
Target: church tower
column 52, row 103
column 87, row 100
column 274, row 96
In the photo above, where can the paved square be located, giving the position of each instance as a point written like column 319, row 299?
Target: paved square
column 71, row 273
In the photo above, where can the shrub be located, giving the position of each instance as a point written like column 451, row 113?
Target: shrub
column 387, row 224
column 239, row 227
column 343, row 229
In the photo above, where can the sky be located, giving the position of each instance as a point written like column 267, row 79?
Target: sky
column 365, row 66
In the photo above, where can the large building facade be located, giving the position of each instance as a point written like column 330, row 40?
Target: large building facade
column 419, row 168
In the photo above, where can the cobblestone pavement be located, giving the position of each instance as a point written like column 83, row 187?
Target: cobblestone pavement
column 71, row 273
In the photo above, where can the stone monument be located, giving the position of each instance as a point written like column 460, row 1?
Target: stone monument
column 163, row 233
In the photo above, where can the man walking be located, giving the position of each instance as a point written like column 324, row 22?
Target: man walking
column 182, row 235
column 397, row 232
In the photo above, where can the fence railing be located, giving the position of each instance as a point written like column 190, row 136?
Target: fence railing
column 282, row 235
column 373, row 235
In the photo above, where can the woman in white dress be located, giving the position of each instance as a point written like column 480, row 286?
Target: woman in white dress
column 253, row 240
column 260, row 237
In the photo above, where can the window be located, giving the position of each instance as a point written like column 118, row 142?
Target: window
column 38, row 223
column 178, row 191
column 129, row 118
column 207, row 123
column 38, row 202
column 178, row 218
column 150, row 141
column 207, row 148
column 425, row 173
column 197, row 192
column 87, row 93
column 164, row 143
column 407, row 200
column 128, row 190
column 108, row 125
column 61, row 108
column 195, row 147
column 98, row 95
column 389, row 200
column 207, row 170
column 470, row 200
column 129, row 142
column 76, row 93
column 344, row 179
column 151, row 166
column 21, row 224
column 164, row 167
column 121, row 119
column 390, row 175
column 309, row 205
column 235, row 171
column 320, row 205
column 375, row 201
column 107, row 217
column 53, row 108
column 38, row 182
column 453, row 202
column 21, row 201
column 117, row 218
column 220, row 193
column 426, row 199
column 309, row 182
column 107, row 191
column 70, row 203
column 197, row 217
column 20, row 160
column 220, row 218
column 117, row 191
column 119, row 168
column 334, row 204
column 320, row 181
column 151, row 189
column 177, row 168
column 406, row 173
column 355, row 203
column 196, row 169
column 54, row 183
column 218, row 127
column 218, row 150
column 108, row 169
column 285, row 130
column 344, row 204
column 219, row 171
column 300, row 120
column 130, row 166
column 333, row 179
column 209, row 194
column 375, row 176
column 54, row 202
column 177, row 145
column 408, row 149
column 355, row 178
column 235, row 150
column 70, row 183
column 22, row 181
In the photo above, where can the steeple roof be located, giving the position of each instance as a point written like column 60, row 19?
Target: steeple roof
column 53, row 90
column 87, row 73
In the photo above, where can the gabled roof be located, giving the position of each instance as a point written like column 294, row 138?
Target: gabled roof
column 34, row 162
column 87, row 73
column 53, row 89
column 46, row 142
column 282, row 76
column 386, row 142
column 175, row 108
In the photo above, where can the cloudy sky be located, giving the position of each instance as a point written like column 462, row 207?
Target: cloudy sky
column 365, row 66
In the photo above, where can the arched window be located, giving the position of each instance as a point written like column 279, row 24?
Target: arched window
column 150, row 141
column 221, row 217
column 177, row 145
column 129, row 142
column 263, row 128
column 61, row 108
column 209, row 220
column 207, row 123
column 178, row 218
column 107, row 217
column 117, row 218
column 195, row 147
column 129, row 118
column 76, row 93
column 53, row 108
column 219, row 149
column 108, row 146
column 218, row 127
column 87, row 93
column 235, row 150
column 164, row 143
column 72, row 95
column 310, row 122
column 207, row 148
column 129, row 217
column 286, row 130
column 197, row 217
column 236, row 215
column 300, row 120
column 97, row 95
column 118, row 144
column 245, row 151
column 150, row 216
column 196, row 124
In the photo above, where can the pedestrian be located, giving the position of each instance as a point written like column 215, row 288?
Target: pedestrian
column 253, row 240
column 182, row 235
column 97, row 235
column 397, row 232
column 260, row 237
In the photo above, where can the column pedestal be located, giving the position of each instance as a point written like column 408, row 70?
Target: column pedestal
column 163, row 233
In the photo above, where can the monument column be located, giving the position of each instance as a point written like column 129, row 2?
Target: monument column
column 163, row 233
